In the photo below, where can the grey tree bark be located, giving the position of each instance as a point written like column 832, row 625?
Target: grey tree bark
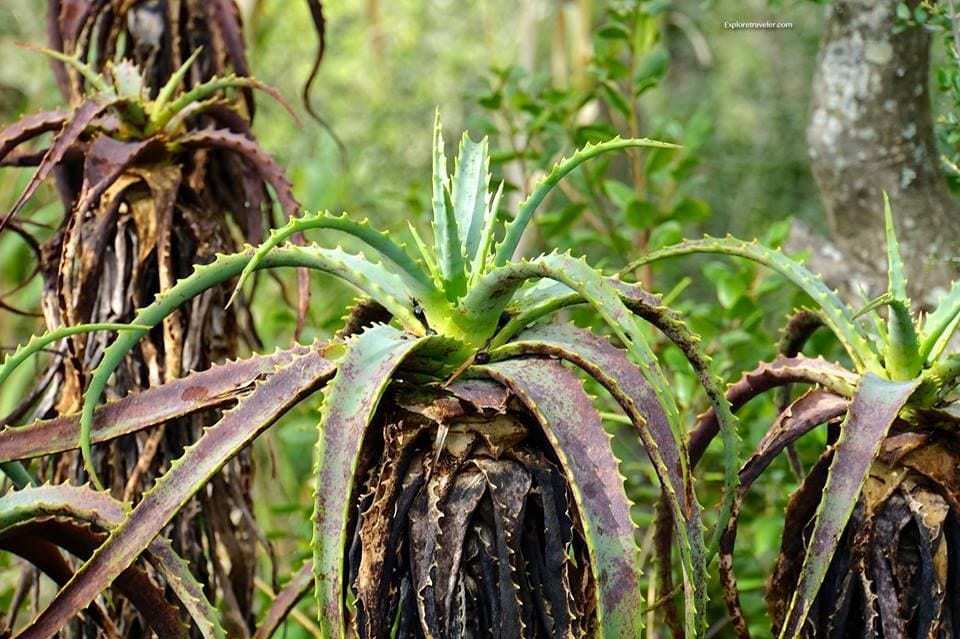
column 870, row 131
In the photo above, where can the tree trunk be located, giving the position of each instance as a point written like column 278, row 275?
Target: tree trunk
column 871, row 131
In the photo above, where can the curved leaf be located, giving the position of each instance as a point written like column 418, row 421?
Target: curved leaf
column 416, row 280
column 367, row 277
column 351, row 399
column 941, row 323
column 559, row 171
column 837, row 314
column 766, row 376
column 268, row 401
column 810, row 410
column 266, row 166
column 873, row 409
column 76, row 124
column 484, row 304
column 556, row 398
column 29, row 127
column 611, row 367
column 15, row 471
column 99, row 509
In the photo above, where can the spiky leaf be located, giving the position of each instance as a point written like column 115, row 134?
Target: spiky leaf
column 469, row 195
column 216, row 386
column 351, row 400
column 446, row 240
column 559, row 171
column 556, row 398
column 873, row 409
column 219, row 443
column 837, row 314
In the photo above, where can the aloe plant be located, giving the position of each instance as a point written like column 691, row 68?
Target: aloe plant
column 157, row 167
column 868, row 534
column 465, row 484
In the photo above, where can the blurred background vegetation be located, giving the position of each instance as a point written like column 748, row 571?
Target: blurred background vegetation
column 538, row 77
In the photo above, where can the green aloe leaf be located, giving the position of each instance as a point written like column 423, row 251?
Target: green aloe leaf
column 556, row 398
column 414, row 278
column 559, row 171
column 369, row 278
column 446, row 239
column 873, row 409
column 269, row 400
column 839, row 316
column 471, row 178
column 902, row 353
column 941, row 324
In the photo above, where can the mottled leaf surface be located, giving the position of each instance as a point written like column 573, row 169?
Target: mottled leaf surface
column 555, row 396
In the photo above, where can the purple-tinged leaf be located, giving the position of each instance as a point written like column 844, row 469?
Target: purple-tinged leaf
column 350, row 403
column 613, row 369
column 213, row 387
column 269, row 170
column 53, row 503
column 766, row 376
column 39, row 542
column 268, row 401
column 225, row 17
column 105, row 162
column 815, row 408
column 75, row 125
column 555, row 396
column 874, row 408
column 29, row 127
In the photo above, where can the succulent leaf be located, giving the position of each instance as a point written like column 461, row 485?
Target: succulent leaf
column 556, row 398
column 80, row 503
column 896, row 274
column 515, row 228
column 268, row 401
column 413, row 276
column 78, row 121
column 446, row 240
column 810, row 410
column 482, row 256
column 14, row 470
column 168, row 90
column 216, row 386
column 838, row 315
column 352, row 397
column 902, row 350
column 352, row 269
column 941, row 324
column 873, row 409
column 611, row 367
column 29, row 127
column 471, row 178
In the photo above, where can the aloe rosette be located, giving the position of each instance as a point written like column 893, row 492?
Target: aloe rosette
column 465, row 483
column 871, row 535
